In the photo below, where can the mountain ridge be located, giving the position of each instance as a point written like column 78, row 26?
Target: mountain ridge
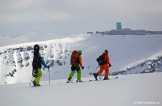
column 15, row 63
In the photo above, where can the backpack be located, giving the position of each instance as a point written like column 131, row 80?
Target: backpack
column 36, row 61
column 36, row 65
column 74, row 59
column 101, row 60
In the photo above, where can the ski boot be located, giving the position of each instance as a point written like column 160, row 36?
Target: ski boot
column 95, row 75
column 35, row 84
column 69, row 80
column 106, row 78
column 79, row 81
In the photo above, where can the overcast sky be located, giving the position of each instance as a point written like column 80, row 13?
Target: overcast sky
column 65, row 17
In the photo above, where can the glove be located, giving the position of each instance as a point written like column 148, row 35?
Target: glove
column 48, row 67
column 82, row 67
column 110, row 65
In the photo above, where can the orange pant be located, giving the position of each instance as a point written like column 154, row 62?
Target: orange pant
column 104, row 67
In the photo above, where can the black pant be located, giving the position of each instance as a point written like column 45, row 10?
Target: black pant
column 75, row 68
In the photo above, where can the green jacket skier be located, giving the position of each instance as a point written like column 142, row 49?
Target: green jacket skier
column 76, row 65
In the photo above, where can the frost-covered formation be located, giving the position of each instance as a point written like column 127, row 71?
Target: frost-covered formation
column 148, row 66
column 16, row 60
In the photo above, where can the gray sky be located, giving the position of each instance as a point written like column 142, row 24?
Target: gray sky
column 64, row 17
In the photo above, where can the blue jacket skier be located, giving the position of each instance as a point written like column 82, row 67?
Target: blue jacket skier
column 37, row 64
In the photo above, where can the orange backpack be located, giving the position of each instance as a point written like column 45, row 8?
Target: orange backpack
column 74, row 59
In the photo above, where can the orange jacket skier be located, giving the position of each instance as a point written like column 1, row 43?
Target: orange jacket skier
column 104, row 63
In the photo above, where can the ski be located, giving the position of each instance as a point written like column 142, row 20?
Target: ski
column 73, row 82
column 100, row 79
column 104, row 80
column 69, row 81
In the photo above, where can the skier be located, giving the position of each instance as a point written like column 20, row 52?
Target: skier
column 76, row 65
column 104, row 63
column 37, row 64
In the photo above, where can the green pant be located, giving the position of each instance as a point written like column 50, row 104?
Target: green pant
column 72, row 74
column 38, row 77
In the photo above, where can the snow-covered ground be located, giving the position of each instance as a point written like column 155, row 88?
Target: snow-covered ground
column 133, row 54
column 128, row 90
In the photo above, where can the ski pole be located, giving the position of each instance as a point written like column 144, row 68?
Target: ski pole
column 49, row 75
column 31, row 81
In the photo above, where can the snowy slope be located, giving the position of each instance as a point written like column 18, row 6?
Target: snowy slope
column 128, row 90
column 126, row 53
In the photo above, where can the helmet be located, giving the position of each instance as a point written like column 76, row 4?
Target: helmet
column 79, row 52
column 106, row 51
